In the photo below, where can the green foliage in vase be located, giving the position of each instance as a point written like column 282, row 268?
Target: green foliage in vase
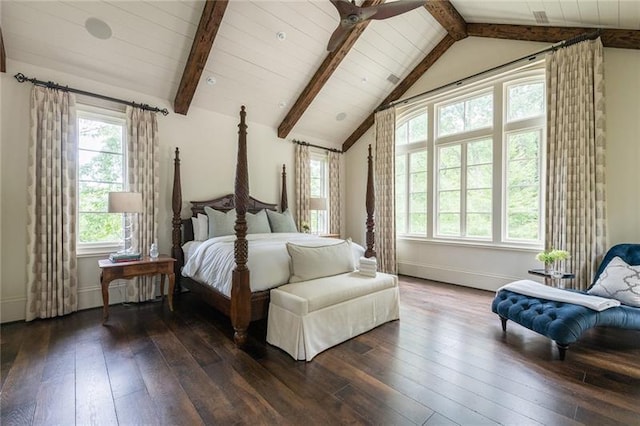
column 551, row 256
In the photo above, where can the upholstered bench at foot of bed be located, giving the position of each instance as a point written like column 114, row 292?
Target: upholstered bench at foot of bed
column 561, row 322
column 307, row 317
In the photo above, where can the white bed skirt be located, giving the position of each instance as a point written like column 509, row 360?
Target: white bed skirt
column 303, row 337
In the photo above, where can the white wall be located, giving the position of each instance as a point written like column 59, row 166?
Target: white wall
column 490, row 267
column 208, row 149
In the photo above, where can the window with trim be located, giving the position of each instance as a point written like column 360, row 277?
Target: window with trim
column 469, row 163
column 101, row 169
column 318, row 210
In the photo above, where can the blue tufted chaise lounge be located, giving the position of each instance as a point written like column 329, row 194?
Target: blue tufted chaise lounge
column 565, row 322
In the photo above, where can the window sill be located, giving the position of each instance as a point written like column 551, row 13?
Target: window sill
column 472, row 244
column 97, row 250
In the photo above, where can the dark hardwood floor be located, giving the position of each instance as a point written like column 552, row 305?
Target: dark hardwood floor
column 445, row 362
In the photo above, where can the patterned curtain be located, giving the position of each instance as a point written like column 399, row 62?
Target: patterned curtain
column 384, row 177
column 334, row 192
column 143, row 166
column 303, row 185
column 575, row 199
column 52, row 279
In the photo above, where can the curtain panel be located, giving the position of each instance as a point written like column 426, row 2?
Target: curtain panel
column 334, row 193
column 52, row 278
column 384, row 177
column 575, row 168
column 303, row 185
column 143, row 166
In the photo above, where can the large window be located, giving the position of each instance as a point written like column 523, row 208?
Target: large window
column 319, row 193
column 101, row 169
column 468, row 163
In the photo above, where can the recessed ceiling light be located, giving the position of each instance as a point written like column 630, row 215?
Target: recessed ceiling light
column 211, row 80
column 282, row 104
column 98, row 28
column 364, row 80
column 281, row 35
column 341, row 116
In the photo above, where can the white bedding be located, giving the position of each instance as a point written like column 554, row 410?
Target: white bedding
column 212, row 261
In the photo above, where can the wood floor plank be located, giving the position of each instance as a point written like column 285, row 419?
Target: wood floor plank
column 445, row 362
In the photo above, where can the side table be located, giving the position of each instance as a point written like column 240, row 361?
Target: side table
column 110, row 271
column 550, row 276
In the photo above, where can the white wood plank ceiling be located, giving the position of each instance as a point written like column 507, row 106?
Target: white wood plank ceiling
column 151, row 40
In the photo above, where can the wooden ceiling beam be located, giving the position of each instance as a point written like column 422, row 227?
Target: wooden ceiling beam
column 320, row 78
column 3, row 55
column 447, row 16
column 210, row 21
column 402, row 87
column 624, row 39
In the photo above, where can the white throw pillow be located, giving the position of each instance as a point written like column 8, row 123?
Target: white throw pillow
column 619, row 281
column 308, row 263
column 202, row 232
column 196, row 228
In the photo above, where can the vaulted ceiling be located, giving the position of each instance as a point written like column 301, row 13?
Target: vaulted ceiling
column 271, row 55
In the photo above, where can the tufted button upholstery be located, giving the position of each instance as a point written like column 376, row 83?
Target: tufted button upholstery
column 559, row 321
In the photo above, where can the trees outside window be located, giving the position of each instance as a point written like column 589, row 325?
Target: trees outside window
column 101, row 166
column 468, row 162
column 318, row 206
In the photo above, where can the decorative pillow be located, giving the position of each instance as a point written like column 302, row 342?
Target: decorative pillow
column 196, row 228
column 281, row 222
column 308, row 263
column 200, row 227
column 220, row 223
column 257, row 223
column 619, row 281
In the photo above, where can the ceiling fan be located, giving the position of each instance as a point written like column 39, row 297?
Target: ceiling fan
column 350, row 15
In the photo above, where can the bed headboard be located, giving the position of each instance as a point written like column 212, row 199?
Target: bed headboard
column 224, row 203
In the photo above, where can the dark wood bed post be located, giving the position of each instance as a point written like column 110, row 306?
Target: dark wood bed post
column 370, row 203
column 176, row 205
column 240, row 289
column 284, row 204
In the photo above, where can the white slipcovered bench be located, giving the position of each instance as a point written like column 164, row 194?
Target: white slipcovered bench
column 307, row 317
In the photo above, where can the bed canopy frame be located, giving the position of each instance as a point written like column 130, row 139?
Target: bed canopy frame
column 243, row 306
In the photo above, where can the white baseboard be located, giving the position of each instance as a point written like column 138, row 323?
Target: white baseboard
column 14, row 309
column 483, row 281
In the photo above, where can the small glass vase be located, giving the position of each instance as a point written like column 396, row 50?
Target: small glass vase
column 153, row 251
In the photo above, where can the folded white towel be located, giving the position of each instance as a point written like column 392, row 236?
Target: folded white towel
column 535, row 289
column 365, row 266
column 367, row 273
column 368, row 261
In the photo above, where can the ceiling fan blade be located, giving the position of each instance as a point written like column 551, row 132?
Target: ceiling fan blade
column 338, row 35
column 387, row 10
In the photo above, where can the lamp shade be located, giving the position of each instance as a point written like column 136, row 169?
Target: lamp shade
column 317, row 203
column 125, row 202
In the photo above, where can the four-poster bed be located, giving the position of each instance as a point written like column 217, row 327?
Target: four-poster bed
column 241, row 305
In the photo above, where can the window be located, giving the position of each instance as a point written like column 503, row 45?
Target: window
column 468, row 162
column 411, row 174
column 318, row 212
column 101, row 169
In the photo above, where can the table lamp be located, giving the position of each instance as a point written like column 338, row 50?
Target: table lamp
column 126, row 202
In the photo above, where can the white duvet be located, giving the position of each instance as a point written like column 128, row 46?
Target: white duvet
column 212, row 261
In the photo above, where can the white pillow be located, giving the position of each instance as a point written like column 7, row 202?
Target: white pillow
column 620, row 281
column 308, row 263
column 200, row 227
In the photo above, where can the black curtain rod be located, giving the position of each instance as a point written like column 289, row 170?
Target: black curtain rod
column 52, row 85
column 316, row 146
column 577, row 39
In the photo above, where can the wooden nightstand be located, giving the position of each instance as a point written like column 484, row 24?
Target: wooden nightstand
column 110, row 271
